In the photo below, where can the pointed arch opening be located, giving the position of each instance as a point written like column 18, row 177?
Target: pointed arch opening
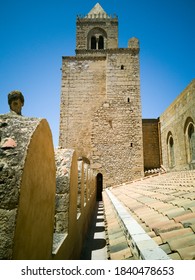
column 191, row 139
column 93, row 42
column 189, row 130
column 101, row 43
column 170, row 150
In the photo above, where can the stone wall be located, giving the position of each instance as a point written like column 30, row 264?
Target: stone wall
column 45, row 200
column 151, row 144
column 100, row 114
column 109, row 27
column 83, row 90
column 177, row 131
column 117, row 127
column 75, row 200
column 27, row 188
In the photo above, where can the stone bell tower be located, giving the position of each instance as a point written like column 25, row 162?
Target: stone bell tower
column 96, row 31
column 100, row 113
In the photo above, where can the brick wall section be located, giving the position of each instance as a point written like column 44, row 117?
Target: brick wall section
column 151, row 144
column 174, row 120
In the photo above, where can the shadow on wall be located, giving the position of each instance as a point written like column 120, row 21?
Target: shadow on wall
column 47, row 196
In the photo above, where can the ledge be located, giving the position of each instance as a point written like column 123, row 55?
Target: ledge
column 142, row 245
column 58, row 239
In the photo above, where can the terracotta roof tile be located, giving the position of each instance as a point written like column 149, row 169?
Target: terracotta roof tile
column 174, row 212
column 166, row 248
column 188, row 222
column 166, row 236
column 191, row 203
column 180, row 201
column 182, row 242
column 187, row 253
column 168, row 227
column 165, row 208
column 118, row 247
column 189, row 195
column 184, row 217
column 158, row 240
column 193, row 227
column 175, row 256
column 192, row 209
column 123, row 254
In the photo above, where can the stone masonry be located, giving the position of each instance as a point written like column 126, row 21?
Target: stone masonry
column 46, row 198
column 178, row 131
column 27, row 188
column 100, row 114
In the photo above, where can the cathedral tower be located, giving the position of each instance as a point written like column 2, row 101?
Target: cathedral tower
column 100, row 113
column 96, row 31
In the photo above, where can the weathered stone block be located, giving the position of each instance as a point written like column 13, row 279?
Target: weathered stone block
column 27, row 188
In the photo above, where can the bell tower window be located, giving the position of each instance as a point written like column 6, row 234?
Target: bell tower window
column 96, row 39
column 93, row 42
column 101, row 43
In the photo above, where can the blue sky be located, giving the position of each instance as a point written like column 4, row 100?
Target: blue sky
column 35, row 34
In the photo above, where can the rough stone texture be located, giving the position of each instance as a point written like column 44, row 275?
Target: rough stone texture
column 79, row 100
column 27, row 188
column 96, row 23
column 151, row 143
column 100, row 115
column 75, row 200
column 62, row 158
column 30, row 182
column 177, row 122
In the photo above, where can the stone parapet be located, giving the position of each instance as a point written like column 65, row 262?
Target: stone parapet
column 45, row 199
column 75, row 198
column 27, row 188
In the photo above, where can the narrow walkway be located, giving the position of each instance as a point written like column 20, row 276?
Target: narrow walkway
column 95, row 244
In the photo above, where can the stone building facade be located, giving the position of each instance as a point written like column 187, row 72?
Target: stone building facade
column 170, row 139
column 100, row 114
column 178, row 131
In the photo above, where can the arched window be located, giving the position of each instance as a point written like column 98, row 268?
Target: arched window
column 191, row 139
column 96, row 39
column 93, row 42
column 101, row 43
column 170, row 147
column 189, row 131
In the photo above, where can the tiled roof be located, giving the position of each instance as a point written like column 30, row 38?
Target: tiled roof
column 164, row 206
